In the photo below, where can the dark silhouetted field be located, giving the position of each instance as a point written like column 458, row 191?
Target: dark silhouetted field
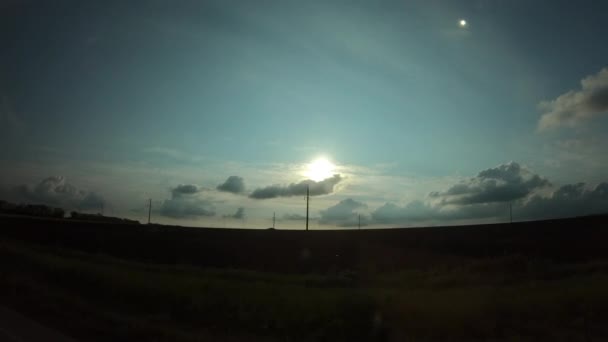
column 545, row 280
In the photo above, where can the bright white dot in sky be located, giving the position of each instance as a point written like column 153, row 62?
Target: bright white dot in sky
column 462, row 23
column 320, row 169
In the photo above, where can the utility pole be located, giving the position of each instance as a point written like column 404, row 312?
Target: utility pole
column 149, row 210
column 273, row 219
column 307, row 199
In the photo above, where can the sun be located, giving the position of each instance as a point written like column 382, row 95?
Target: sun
column 320, row 169
column 462, row 23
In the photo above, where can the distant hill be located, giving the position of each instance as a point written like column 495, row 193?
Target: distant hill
column 44, row 211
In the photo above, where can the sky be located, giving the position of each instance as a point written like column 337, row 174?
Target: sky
column 393, row 113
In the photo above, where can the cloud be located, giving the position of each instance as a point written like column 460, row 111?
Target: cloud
column 490, row 194
column 345, row 213
column 392, row 213
column 233, row 184
column 503, row 183
column 185, row 203
column 418, row 211
column 323, row 187
column 56, row 191
column 240, row 214
column 575, row 107
column 173, row 154
column 184, row 190
column 567, row 201
column 294, row 217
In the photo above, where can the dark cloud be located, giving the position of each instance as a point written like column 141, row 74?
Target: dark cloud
column 56, row 191
column 574, row 107
column 233, row 184
column 185, row 189
column 567, row 201
column 239, row 214
column 345, row 213
column 323, row 187
column 185, row 203
column 504, row 183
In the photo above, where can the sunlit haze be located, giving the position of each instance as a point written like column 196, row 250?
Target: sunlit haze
column 320, row 169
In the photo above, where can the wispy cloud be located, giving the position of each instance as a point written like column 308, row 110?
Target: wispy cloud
column 174, row 154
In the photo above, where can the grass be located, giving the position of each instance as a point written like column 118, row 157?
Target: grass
column 511, row 298
column 186, row 300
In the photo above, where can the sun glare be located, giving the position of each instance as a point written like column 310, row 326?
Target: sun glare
column 320, row 169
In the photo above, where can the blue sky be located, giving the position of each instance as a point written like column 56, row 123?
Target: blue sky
column 129, row 101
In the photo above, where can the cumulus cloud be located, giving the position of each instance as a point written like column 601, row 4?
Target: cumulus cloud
column 233, row 184
column 490, row 194
column 185, row 203
column 567, row 201
column 56, row 191
column 239, row 214
column 574, row 107
column 503, row 183
column 185, row 190
column 345, row 213
column 323, row 187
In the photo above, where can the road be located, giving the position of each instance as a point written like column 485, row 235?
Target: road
column 14, row 327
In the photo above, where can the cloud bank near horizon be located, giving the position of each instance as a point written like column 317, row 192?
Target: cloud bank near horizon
column 485, row 197
column 57, row 191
